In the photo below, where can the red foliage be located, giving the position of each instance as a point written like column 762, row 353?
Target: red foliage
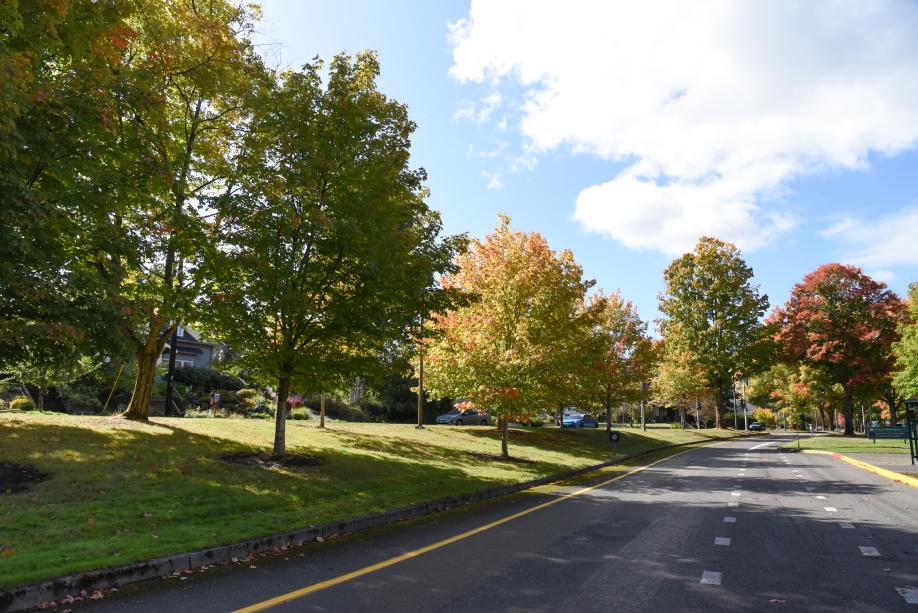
column 841, row 319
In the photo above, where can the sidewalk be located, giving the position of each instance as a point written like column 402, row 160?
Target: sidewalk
column 897, row 462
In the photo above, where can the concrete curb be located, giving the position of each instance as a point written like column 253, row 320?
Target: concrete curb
column 889, row 474
column 30, row 596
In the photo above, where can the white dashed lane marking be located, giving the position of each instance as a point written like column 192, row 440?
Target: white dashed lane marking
column 909, row 593
column 732, row 504
column 831, row 509
column 847, row 525
column 820, row 497
column 722, row 540
column 736, row 493
column 710, row 577
column 869, row 551
column 729, row 520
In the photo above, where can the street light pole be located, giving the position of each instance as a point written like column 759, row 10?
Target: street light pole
column 644, row 387
column 734, row 404
column 420, row 425
column 745, row 410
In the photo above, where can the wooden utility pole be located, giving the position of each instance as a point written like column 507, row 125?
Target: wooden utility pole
column 420, row 425
column 322, row 411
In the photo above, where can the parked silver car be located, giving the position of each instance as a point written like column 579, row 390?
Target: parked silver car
column 468, row 417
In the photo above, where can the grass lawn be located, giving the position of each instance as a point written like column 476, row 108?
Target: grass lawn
column 122, row 492
column 850, row 444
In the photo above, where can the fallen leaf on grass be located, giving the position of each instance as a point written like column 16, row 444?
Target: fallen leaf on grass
column 7, row 552
column 92, row 521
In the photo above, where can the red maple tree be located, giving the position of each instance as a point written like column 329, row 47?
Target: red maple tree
column 841, row 320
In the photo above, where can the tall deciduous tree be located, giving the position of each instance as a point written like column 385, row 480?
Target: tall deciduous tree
column 185, row 72
column 621, row 353
column 55, row 107
column 844, row 322
column 678, row 380
column 501, row 351
column 331, row 249
column 713, row 310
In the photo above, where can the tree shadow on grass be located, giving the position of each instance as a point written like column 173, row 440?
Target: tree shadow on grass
column 126, row 494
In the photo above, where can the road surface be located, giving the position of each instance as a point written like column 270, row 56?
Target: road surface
column 735, row 526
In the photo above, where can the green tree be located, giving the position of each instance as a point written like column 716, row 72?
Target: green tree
column 619, row 350
column 713, row 310
column 185, row 74
column 500, row 352
column 678, row 378
column 844, row 323
column 55, row 81
column 905, row 351
column 330, row 249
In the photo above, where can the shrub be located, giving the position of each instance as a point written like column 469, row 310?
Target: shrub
column 22, row 404
column 84, row 401
column 299, row 413
column 248, row 396
column 206, row 379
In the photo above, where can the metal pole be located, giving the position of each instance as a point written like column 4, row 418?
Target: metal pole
column 420, row 392
column 745, row 410
column 170, row 373
column 644, row 387
column 734, row 404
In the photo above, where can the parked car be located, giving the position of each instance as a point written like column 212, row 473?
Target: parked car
column 756, row 427
column 466, row 417
column 580, row 421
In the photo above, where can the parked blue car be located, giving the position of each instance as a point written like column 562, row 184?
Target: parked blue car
column 579, row 421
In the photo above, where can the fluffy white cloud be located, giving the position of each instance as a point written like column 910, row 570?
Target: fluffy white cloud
column 883, row 242
column 713, row 107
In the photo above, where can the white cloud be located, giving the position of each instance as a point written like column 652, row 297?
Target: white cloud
column 883, row 242
column 713, row 107
column 479, row 112
column 494, row 181
column 840, row 227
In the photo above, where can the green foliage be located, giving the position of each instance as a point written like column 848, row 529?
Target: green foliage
column 713, row 311
column 906, row 349
column 22, row 404
column 206, row 380
column 331, row 250
column 300, row 413
column 84, row 401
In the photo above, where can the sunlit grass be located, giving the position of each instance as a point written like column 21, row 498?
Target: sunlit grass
column 123, row 492
column 850, row 444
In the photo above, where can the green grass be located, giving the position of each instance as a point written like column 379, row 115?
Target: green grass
column 123, row 492
column 850, row 444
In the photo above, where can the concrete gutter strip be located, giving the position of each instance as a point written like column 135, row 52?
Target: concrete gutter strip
column 31, row 596
column 889, row 474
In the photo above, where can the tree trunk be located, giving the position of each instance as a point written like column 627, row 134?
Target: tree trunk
column 147, row 356
column 560, row 414
column 504, row 435
column 41, row 398
column 280, row 416
column 849, row 413
column 608, row 420
column 718, row 411
column 322, row 411
column 891, row 403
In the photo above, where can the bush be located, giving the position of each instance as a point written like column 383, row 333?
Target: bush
column 22, row 404
column 299, row 413
column 339, row 410
column 206, row 379
column 248, row 397
column 84, row 401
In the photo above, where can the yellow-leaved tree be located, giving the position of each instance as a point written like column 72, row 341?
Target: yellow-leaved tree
column 504, row 350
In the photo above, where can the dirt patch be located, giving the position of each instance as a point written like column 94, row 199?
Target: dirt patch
column 15, row 478
column 493, row 457
column 265, row 459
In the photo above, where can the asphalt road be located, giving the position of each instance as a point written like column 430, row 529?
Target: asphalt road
column 730, row 527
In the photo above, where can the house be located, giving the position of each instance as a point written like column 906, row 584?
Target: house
column 190, row 350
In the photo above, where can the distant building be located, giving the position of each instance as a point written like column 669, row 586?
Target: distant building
column 190, row 350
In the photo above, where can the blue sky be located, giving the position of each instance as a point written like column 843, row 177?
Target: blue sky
column 622, row 135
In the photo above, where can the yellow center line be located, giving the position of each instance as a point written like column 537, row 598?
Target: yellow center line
column 366, row 570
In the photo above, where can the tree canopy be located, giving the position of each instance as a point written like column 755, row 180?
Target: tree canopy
column 330, row 250
column 845, row 323
column 713, row 311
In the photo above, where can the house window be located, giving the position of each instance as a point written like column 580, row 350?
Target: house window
column 183, row 363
